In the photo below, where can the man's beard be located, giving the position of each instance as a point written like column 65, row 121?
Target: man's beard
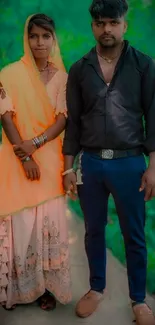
column 107, row 46
column 110, row 43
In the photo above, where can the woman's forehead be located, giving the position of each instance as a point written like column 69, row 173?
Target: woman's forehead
column 39, row 30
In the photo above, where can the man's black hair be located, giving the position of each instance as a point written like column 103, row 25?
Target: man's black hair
column 108, row 9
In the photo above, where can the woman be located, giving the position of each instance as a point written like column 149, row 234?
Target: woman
column 34, row 253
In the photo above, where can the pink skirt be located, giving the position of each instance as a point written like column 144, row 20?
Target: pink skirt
column 34, row 254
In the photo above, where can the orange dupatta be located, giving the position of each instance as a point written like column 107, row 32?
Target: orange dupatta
column 33, row 115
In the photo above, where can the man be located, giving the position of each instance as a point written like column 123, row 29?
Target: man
column 109, row 92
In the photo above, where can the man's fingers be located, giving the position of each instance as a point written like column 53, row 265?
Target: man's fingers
column 73, row 194
column 69, row 190
column 148, row 193
column 143, row 185
column 152, row 193
column 75, row 188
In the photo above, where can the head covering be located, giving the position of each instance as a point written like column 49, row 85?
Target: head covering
column 22, row 82
column 55, row 56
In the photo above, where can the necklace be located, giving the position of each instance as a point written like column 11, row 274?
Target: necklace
column 107, row 59
column 41, row 70
column 112, row 59
column 45, row 76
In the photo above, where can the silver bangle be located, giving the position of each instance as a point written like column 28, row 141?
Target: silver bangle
column 45, row 138
column 36, row 143
column 39, row 141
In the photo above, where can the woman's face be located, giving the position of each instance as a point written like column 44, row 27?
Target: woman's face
column 40, row 41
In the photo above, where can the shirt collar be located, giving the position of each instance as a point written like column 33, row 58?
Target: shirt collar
column 92, row 55
column 92, row 59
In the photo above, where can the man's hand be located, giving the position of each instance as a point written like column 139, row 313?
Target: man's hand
column 70, row 187
column 25, row 149
column 148, row 183
column 31, row 169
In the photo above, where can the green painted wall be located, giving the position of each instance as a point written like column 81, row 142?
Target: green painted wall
column 74, row 33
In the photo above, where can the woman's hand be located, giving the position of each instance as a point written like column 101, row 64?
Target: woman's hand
column 25, row 149
column 31, row 169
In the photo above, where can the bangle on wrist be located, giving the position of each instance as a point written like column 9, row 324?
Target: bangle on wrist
column 45, row 138
column 35, row 142
column 39, row 141
column 68, row 171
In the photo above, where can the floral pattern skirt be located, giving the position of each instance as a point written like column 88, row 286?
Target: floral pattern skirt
column 34, row 254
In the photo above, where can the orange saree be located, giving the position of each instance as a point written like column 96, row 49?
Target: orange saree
column 33, row 114
column 33, row 231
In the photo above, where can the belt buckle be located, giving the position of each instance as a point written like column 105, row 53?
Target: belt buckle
column 107, row 154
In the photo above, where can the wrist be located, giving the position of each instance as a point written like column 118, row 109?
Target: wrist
column 151, row 165
column 28, row 158
column 68, row 171
column 69, row 162
column 152, row 160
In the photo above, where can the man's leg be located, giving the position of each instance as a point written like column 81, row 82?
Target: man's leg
column 93, row 199
column 124, row 182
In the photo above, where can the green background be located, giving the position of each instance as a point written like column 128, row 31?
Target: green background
column 73, row 26
column 74, row 33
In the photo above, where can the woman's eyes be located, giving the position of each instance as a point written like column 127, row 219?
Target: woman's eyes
column 33, row 36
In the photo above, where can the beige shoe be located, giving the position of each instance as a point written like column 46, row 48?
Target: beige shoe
column 143, row 315
column 88, row 304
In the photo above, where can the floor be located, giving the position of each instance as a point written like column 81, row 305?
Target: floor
column 115, row 309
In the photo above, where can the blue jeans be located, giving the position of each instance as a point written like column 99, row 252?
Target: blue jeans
column 122, row 178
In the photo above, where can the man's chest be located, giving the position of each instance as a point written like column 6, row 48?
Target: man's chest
column 127, row 80
column 107, row 70
column 106, row 87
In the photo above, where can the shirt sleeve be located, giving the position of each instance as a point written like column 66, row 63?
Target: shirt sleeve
column 71, row 145
column 61, row 106
column 148, row 102
column 6, row 104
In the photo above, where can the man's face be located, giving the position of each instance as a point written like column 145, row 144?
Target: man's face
column 109, row 32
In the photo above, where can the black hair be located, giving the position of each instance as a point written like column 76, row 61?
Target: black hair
column 108, row 9
column 43, row 21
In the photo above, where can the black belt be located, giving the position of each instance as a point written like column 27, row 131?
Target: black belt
column 114, row 154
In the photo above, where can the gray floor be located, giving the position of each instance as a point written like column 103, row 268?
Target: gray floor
column 115, row 308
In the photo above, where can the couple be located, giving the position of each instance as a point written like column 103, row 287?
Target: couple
column 108, row 92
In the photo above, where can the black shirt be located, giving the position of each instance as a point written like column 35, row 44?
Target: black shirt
column 102, row 117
